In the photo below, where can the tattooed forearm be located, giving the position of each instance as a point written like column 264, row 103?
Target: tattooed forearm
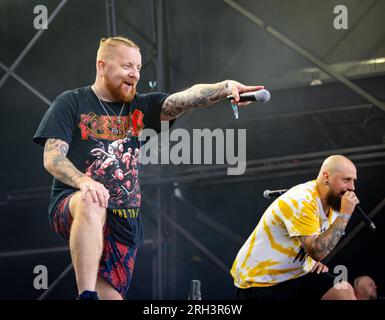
column 209, row 91
column 201, row 95
column 319, row 247
column 56, row 162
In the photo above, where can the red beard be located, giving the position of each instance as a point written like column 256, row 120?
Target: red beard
column 119, row 93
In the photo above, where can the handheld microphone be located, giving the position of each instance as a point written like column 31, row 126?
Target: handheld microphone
column 195, row 290
column 260, row 96
column 268, row 194
column 365, row 218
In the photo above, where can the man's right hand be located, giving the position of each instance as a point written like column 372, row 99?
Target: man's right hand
column 97, row 191
column 348, row 202
column 57, row 164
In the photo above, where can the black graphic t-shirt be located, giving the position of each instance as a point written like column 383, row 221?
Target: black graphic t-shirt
column 106, row 148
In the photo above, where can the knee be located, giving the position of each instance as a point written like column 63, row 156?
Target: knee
column 86, row 208
column 344, row 286
column 340, row 291
column 347, row 291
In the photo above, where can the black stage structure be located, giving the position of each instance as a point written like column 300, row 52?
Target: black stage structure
column 328, row 98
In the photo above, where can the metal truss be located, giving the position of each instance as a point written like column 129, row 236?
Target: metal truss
column 186, row 234
column 256, row 169
column 267, row 168
column 54, row 284
column 34, row 195
column 203, row 218
column 304, row 53
column 111, row 18
column 351, row 70
column 11, row 70
column 315, row 112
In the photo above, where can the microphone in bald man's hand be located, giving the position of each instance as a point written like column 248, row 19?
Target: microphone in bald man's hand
column 258, row 96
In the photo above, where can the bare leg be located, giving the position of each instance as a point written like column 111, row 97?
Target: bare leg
column 106, row 291
column 345, row 293
column 86, row 239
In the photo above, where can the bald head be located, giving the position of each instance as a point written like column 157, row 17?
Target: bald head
column 365, row 288
column 334, row 166
column 336, row 163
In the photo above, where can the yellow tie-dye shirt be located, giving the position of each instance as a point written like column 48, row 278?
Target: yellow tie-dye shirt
column 273, row 253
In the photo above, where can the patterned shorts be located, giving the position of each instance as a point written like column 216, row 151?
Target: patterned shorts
column 117, row 263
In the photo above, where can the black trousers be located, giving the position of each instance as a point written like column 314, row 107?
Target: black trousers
column 308, row 287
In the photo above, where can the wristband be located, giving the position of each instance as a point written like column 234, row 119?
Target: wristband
column 345, row 216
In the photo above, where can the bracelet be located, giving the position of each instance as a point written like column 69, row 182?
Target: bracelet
column 345, row 216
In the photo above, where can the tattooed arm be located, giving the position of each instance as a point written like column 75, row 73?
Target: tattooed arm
column 318, row 247
column 57, row 164
column 202, row 95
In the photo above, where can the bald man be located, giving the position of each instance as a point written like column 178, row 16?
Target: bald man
column 91, row 147
column 282, row 257
column 365, row 288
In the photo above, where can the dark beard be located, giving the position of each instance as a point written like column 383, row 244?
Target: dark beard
column 334, row 201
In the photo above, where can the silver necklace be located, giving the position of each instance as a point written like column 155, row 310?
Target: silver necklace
column 114, row 130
